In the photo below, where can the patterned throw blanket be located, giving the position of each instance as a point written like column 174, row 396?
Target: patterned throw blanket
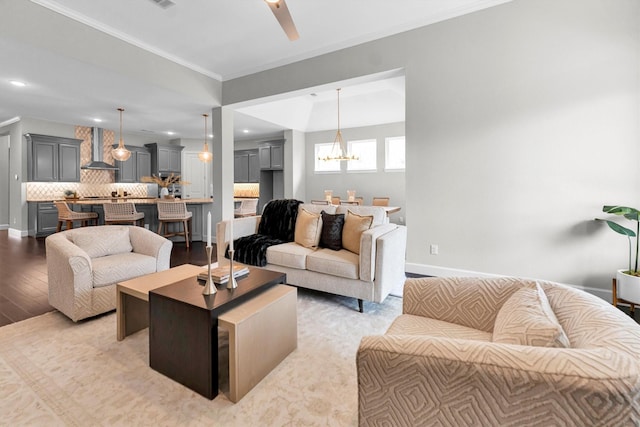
column 277, row 226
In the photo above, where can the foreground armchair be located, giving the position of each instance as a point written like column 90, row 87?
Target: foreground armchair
column 458, row 355
column 84, row 264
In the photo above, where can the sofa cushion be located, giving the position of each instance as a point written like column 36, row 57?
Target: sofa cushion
column 331, row 236
column 288, row 255
column 308, row 229
column 526, row 318
column 340, row 263
column 111, row 269
column 98, row 242
column 310, row 207
column 354, row 225
column 379, row 213
column 409, row 324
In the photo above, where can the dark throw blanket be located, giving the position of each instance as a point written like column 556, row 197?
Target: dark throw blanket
column 277, row 225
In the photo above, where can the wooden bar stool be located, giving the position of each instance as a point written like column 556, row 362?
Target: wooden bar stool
column 169, row 212
column 68, row 216
column 122, row 213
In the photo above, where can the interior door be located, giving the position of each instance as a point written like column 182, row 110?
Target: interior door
column 197, row 173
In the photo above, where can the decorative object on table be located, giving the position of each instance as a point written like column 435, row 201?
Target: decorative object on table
column 121, row 153
column 328, row 194
column 231, row 284
column 209, row 286
column 220, row 274
column 627, row 281
column 338, row 149
column 351, row 195
column 70, row 194
column 205, row 155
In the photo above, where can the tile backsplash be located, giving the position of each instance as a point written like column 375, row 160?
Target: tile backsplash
column 43, row 191
column 246, row 190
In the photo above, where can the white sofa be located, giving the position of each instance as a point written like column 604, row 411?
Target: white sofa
column 84, row 265
column 369, row 276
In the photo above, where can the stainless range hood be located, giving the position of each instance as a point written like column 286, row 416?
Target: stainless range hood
column 97, row 162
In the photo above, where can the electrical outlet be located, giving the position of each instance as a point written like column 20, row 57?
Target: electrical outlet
column 433, row 249
column 401, row 220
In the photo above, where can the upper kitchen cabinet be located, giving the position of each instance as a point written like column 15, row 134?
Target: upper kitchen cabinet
column 137, row 166
column 271, row 155
column 53, row 158
column 165, row 158
column 246, row 166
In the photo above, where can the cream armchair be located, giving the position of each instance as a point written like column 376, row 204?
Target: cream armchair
column 84, row 264
column 440, row 363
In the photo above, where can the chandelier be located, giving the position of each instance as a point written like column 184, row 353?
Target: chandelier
column 121, row 153
column 205, row 155
column 338, row 149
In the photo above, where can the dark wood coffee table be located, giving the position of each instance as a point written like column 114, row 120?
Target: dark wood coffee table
column 183, row 327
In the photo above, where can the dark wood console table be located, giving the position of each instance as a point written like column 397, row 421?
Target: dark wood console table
column 183, row 327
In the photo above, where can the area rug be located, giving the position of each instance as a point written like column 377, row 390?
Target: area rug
column 55, row 372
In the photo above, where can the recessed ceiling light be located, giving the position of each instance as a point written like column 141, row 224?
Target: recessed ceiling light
column 97, row 120
column 17, row 83
column 210, row 135
column 170, row 133
column 245, row 130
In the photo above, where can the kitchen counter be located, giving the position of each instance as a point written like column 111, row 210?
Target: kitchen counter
column 134, row 200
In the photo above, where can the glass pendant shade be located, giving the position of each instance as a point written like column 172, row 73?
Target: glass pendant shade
column 121, row 153
column 205, row 155
column 338, row 150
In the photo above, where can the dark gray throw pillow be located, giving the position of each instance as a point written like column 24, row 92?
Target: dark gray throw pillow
column 331, row 236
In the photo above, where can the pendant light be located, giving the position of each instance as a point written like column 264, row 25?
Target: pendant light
column 205, row 155
column 338, row 150
column 121, row 153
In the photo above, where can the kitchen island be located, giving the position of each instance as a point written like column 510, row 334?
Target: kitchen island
column 43, row 215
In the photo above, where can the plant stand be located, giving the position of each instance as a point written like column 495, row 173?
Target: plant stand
column 616, row 300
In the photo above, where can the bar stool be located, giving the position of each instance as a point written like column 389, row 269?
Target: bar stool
column 67, row 215
column 122, row 213
column 169, row 212
column 248, row 207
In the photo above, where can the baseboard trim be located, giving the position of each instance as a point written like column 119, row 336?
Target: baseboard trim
column 13, row 232
column 437, row 271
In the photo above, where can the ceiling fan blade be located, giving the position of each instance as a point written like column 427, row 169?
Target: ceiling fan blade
column 281, row 12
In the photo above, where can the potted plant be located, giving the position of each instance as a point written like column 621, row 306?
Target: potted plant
column 628, row 281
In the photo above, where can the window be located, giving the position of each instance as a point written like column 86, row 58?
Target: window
column 322, row 150
column 394, row 153
column 365, row 150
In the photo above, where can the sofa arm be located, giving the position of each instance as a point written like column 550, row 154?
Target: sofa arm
column 70, row 276
column 469, row 301
column 241, row 227
column 405, row 380
column 149, row 243
column 368, row 247
column 389, row 262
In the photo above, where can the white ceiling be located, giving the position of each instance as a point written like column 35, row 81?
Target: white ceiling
column 223, row 39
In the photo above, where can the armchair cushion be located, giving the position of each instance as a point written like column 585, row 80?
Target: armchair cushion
column 526, row 318
column 103, row 242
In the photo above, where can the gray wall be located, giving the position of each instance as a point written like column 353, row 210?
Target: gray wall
column 521, row 122
column 367, row 184
column 5, row 179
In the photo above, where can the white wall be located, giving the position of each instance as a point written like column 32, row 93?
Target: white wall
column 5, row 178
column 367, row 184
column 521, row 122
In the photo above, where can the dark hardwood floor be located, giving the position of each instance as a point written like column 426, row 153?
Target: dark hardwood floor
column 23, row 274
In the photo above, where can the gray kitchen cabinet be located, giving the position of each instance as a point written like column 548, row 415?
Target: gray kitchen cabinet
column 197, row 234
column 137, row 166
column 53, row 158
column 271, row 156
column 246, row 166
column 165, row 159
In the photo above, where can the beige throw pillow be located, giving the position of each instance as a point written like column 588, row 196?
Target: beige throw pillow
column 354, row 225
column 308, row 229
column 98, row 241
column 526, row 318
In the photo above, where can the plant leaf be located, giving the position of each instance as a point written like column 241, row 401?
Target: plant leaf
column 618, row 228
column 629, row 213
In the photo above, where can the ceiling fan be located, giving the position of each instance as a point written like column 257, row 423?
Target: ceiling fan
column 281, row 12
